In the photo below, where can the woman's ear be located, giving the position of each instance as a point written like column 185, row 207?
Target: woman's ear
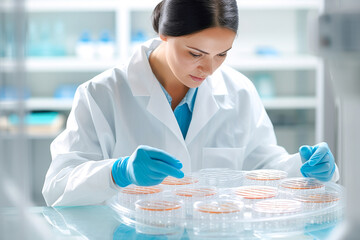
column 163, row 37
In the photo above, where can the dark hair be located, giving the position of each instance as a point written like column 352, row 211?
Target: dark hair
column 182, row 17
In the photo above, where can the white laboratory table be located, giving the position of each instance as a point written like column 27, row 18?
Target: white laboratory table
column 102, row 222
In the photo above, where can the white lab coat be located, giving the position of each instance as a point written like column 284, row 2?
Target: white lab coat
column 125, row 107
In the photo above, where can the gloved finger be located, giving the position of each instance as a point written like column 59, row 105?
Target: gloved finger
column 164, row 168
column 318, row 168
column 305, row 153
column 320, row 151
column 161, row 155
column 322, row 178
column 157, row 175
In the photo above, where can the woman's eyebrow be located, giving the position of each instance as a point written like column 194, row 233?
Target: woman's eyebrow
column 206, row 52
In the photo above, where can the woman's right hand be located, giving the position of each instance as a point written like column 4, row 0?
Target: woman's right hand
column 147, row 166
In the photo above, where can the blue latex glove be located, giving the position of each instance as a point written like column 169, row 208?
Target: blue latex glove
column 318, row 162
column 147, row 166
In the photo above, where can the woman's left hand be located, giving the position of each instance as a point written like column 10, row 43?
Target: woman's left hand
column 318, row 162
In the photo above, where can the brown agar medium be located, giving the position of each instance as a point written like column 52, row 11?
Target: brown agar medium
column 158, row 205
column 137, row 190
column 172, row 181
column 195, row 192
column 256, row 192
column 219, row 207
column 130, row 194
column 159, row 216
column 298, row 185
column 265, row 177
column 192, row 194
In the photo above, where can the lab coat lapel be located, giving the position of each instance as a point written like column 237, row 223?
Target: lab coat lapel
column 161, row 109
column 143, row 83
column 206, row 105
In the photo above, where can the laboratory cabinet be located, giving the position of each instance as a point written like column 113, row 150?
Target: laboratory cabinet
column 69, row 42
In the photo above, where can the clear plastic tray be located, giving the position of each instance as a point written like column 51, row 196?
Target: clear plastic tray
column 206, row 210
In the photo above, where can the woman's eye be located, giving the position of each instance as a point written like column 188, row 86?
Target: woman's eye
column 222, row 54
column 195, row 55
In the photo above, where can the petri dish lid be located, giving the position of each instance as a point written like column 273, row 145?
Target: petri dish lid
column 324, row 197
column 301, row 183
column 219, row 206
column 179, row 181
column 137, row 190
column 266, row 175
column 278, row 206
column 196, row 192
column 256, row 192
column 158, row 205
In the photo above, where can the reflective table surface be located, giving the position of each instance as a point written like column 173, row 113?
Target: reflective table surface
column 102, row 222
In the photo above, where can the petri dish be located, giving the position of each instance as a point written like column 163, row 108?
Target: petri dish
column 256, row 192
column 270, row 177
column 192, row 194
column 130, row 194
column 221, row 177
column 159, row 216
column 275, row 215
column 172, row 181
column 217, row 216
column 274, row 207
column 221, row 207
column 323, row 206
column 301, row 185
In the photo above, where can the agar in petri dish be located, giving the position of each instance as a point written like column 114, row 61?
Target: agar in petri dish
column 265, row 177
column 219, row 207
column 256, row 192
column 172, row 181
column 159, row 216
column 297, row 185
column 318, row 198
column 158, row 205
column 130, row 194
column 137, row 190
column 192, row 194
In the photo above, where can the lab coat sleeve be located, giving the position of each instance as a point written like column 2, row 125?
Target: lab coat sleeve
column 263, row 152
column 80, row 171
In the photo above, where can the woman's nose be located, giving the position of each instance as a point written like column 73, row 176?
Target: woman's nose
column 207, row 67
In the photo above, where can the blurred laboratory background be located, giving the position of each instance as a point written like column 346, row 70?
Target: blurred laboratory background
column 66, row 43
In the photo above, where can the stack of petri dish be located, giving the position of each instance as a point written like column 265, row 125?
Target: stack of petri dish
column 221, row 177
column 130, row 194
column 325, row 203
column 160, row 216
column 189, row 195
column 265, row 177
column 277, row 215
column 219, row 216
column 291, row 186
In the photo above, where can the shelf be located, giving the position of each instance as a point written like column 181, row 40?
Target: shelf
column 113, row 5
column 71, row 6
column 279, row 4
column 290, row 103
column 68, row 64
column 13, row 136
column 290, row 62
column 52, row 104
column 39, row 104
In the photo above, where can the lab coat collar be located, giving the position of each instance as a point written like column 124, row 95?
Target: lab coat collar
column 143, row 82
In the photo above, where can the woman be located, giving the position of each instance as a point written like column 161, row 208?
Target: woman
column 173, row 106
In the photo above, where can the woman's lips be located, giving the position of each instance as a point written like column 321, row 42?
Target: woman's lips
column 197, row 79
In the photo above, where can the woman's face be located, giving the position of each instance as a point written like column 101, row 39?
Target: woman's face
column 193, row 57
